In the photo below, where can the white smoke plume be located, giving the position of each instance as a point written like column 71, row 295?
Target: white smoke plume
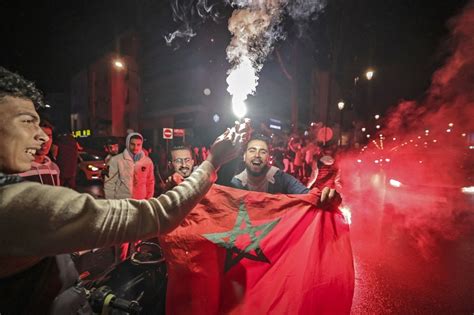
column 190, row 15
column 255, row 26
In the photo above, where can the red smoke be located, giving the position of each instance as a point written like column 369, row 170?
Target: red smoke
column 425, row 147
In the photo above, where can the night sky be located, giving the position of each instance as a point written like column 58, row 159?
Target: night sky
column 404, row 40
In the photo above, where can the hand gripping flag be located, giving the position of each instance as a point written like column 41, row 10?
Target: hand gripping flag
column 241, row 252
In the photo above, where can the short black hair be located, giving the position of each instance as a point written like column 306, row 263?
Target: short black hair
column 111, row 141
column 136, row 137
column 261, row 137
column 14, row 85
column 180, row 147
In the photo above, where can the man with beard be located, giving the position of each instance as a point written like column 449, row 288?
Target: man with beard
column 259, row 176
column 181, row 158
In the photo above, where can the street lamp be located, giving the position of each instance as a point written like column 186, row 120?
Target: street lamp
column 369, row 74
column 340, row 105
column 119, row 64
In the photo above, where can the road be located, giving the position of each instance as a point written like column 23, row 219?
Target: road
column 396, row 275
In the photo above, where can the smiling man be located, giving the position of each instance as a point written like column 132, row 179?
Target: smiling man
column 182, row 162
column 259, row 176
column 39, row 222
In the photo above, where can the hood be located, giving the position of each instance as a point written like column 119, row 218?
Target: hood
column 138, row 156
column 47, row 162
column 127, row 141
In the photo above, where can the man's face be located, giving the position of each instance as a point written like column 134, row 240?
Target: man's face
column 112, row 149
column 135, row 146
column 256, row 157
column 182, row 161
column 20, row 134
column 46, row 146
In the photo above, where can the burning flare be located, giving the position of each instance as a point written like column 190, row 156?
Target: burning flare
column 253, row 29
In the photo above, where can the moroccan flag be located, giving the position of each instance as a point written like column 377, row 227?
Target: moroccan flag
column 241, row 252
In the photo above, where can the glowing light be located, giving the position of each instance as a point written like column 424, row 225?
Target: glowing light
column 411, row 140
column 359, row 161
column 239, row 108
column 387, row 160
column 242, row 81
column 216, row 118
column 346, row 212
column 377, row 116
column 376, row 161
column 340, row 105
column 369, row 74
column 434, row 140
column 395, row 183
column 363, row 129
column 471, row 147
column 394, row 139
column 47, row 105
column 450, row 124
column 92, row 168
column 427, row 131
column 368, row 136
column 420, row 162
column 468, row 190
column 378, row 126
column 207, row 91
column 463, row 134
column 448, row 130
column 119, row 64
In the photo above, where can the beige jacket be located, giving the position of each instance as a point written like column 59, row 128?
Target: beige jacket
column 40, row 220
column 129, row 179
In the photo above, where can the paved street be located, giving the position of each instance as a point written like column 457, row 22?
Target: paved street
column 396, row 277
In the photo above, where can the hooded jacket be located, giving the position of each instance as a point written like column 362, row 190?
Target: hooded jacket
column 46, row 173
column 129, row 176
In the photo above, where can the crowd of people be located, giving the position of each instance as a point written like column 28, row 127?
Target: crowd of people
column 41, row 223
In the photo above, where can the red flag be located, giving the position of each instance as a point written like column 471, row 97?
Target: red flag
column 241, row 252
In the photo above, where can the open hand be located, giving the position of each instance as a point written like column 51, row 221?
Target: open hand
column 228, row 145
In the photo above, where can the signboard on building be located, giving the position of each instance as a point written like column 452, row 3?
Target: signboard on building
column 167, row 133
column 81, row 133
column 179, row 132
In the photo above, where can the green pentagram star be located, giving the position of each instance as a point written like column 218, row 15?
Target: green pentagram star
column 235, row 254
